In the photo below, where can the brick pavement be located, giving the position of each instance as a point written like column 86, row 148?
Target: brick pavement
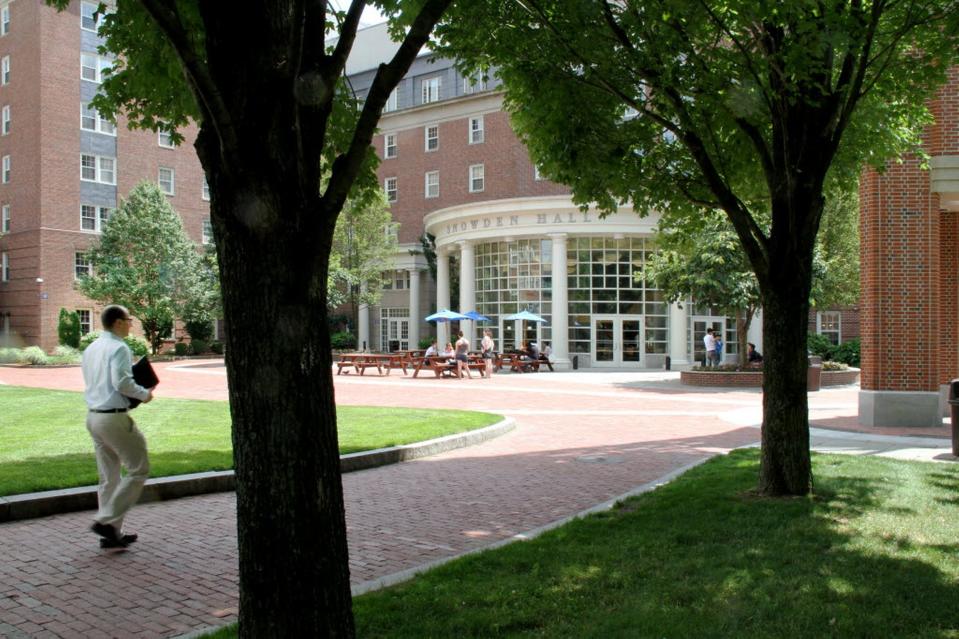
column 581, row 439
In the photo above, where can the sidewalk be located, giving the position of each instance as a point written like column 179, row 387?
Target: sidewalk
column 582, row 439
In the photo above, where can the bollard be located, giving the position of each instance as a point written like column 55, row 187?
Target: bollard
column 668, row 362
column 954, row 409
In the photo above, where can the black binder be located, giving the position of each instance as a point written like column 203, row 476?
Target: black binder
column 145, row 376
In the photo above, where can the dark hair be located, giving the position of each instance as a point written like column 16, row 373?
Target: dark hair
column 751, row 344
column 461, row 333
column 112, row 314
column 709, row 330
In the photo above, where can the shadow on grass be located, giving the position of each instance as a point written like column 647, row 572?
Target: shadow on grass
column 702, row 556
column 53, row 472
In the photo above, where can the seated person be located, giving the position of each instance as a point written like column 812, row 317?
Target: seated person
column 449, row 352
column 752, row 355
column 532, row 350
column 547, row 351
column 431, row 351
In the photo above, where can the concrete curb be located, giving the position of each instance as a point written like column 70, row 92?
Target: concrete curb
column 53, row 502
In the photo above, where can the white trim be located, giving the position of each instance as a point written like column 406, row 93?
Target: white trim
column 98, row 169
column 474, row 178
column 427, row 138
column 450, row 110
column 172, row 180
column 389, row 144
column 476, row 135
column 426, row 184
column 394, row 192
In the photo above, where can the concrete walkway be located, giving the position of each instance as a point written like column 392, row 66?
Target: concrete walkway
column 582, row 439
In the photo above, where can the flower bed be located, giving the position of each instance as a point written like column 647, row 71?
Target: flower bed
column 754, row 379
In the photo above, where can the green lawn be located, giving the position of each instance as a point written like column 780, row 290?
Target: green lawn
column 873, row 554
column 44, row 443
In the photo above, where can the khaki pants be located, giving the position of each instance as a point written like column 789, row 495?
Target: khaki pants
column 118, row 442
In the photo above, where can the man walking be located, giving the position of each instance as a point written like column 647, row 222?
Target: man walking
column 108, row 376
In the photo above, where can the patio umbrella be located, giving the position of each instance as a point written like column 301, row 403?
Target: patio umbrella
column 526, row 316
column 477, row 316
column 446, row 315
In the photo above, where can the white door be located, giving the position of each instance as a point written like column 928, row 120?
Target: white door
column 618, row 340
column 700, row 324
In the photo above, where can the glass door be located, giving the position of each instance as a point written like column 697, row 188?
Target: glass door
column 700, row 324
column 618, row 341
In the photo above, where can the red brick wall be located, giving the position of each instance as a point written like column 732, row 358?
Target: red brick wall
column 508, row 170
column 909, row 265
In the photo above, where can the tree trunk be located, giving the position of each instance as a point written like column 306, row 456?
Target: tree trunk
column 293, row 558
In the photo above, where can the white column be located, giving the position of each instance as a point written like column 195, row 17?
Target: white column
column 467, row 287
column 442, row 294
column 415, row 316
column 678, row 338
column 363, row 330
column 560, row 332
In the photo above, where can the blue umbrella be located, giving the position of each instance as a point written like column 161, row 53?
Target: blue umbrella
column 477, row 316
column 526, row 316
column 446, row 315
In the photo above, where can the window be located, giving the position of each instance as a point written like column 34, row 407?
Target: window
column 91, row 120
column 401, row 279
column 206, row 233
column 476, row 130
column 81, row 266
column 85, row 325
column 93, row 218
column 5, row 218
column 432, row 137
column 94, row 67
column 89, row 20
column 536, row 173
column 5, row 70
column 433, row 184
column 165, row 139
column 4, row 267
column 431, row 90
column 205, row 190
column 5, row 170
column 389, row 145
column 392, row 102
column 477, row 178
column 474, row 83
column 166, row 179
column 97, row 168
column 829, row 324
column 5, row 20
column 389, row 185
column 5, row 120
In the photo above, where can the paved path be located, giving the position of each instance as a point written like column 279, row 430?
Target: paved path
column 581, row 439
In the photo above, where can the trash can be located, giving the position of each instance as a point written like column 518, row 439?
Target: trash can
column 575, row 362
column 668, row 362
column 954, row 409
column 814, row 373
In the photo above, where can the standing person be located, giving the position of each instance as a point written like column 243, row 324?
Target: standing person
column 108, row 377
column 488, row 346
column 719, row 348
column 710, row 343
column 462, row 356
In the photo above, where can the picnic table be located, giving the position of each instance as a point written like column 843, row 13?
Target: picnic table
column 380, row 361
column 446, row 366
column 520, row 363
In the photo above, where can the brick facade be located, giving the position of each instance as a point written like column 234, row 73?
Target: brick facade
column 45, row 191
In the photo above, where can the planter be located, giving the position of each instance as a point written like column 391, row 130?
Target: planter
column 754, row 379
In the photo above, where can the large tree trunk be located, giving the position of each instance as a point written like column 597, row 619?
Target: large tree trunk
column 294, row 572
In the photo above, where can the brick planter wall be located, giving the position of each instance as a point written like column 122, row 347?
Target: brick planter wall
column 750, row 379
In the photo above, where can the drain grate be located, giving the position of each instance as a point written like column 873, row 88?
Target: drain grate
column 601, row 459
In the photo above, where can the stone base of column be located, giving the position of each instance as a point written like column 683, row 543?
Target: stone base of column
column 560, row 364
column 680, row 364
column 900, row 409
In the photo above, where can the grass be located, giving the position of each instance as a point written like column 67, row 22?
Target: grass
column 44, row 443
column 873, row 554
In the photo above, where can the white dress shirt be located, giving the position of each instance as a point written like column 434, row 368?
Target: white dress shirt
column 108, row 374
column 710, row 342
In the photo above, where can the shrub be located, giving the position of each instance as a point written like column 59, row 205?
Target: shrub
column 425, row 342
column 343, row 339
column 217, row 347
column 199, row 346
column 33, row 355
column 847, row 353
column 64, row 355
column 88, row 339
column 9, row 355
column 199, row 329
column 834, row 366
column 138, row 345
column 819, row 345
column 68, row 328
column 180, row 349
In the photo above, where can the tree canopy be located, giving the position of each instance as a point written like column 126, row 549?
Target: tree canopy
column 744, row 106
column 145, row 261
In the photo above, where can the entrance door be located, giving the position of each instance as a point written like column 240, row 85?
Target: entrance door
column 618, row 341
column 394, row 334
column 700, row 324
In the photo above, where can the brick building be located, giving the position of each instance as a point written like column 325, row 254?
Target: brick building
column 63, row 168
column 910, row 257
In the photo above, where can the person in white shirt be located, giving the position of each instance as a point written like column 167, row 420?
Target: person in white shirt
column 108, row 377
column 710, row 343
column 431, row 351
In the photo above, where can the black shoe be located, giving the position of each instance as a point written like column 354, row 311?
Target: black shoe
column 108, row 532
column 122, row 542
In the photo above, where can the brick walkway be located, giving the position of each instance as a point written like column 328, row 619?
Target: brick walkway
column 581, row 439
